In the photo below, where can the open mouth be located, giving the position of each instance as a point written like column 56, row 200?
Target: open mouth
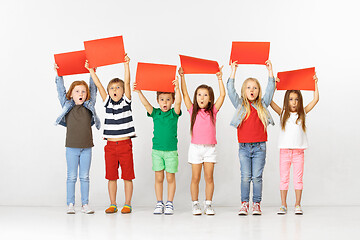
column 114, row 94
column 165, row 107
column 80, row 99
column 251, row 94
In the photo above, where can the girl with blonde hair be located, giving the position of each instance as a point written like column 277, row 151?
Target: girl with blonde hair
column 251, row 119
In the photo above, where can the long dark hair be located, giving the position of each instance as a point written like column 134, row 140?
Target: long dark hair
column 196, row 108
column 285, row 112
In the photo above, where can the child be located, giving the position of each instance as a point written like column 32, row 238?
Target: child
column 202, row 151
column 292, row 142
column 164, row 150
column 78, row 115
column 118, row 130
column 251, row 119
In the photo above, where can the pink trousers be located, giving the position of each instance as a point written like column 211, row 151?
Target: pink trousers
column 288, row 157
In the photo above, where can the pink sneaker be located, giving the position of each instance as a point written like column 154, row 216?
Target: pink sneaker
column 244, row 208
column 256, row 209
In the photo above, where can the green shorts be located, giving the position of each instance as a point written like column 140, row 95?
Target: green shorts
column 165, row 160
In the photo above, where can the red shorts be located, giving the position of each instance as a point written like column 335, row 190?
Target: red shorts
column 119, row 153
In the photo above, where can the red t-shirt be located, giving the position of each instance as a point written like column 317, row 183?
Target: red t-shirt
column 251, row 130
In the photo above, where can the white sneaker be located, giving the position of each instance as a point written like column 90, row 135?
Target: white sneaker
column 196, row 210
column 169, row 208
column 85, row 209
column 298, row 210
column 208, row 209
column 159, row 208
column 71, row 209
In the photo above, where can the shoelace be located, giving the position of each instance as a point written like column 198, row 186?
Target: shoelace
column 257, row 207
column 244, row 207
column 197, row 206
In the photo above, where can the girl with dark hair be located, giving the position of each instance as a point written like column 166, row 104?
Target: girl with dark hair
column 202, row 153
column 292, row 142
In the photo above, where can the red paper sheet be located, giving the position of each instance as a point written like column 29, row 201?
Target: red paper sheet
column 71, row 63
column 105, row 51
column 301, row 79
column 193, row 65
column 250, row 52
column 155, row 77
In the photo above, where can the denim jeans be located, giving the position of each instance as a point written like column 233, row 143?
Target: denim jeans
column 78, row 158
column 252, row 162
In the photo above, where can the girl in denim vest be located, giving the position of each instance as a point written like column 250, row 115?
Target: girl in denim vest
column 78, row 116
column 292, row 142
column 251, row 119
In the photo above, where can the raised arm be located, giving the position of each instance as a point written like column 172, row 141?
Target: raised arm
column 143, row 100
column 184, row 91
column 177, row 104
column 219, row 102
column 275, row 107
column 60, row 87
column 96, row 80
column 270, row 88
column 234, row 97
column 127, row 87
column 312, row 104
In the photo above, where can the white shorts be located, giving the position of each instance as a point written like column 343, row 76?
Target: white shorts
column 199, row 154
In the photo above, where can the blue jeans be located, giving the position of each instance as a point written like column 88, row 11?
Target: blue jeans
column 252, row 162
column 78, row 158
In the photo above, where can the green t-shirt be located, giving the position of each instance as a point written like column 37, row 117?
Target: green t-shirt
column 165, row 129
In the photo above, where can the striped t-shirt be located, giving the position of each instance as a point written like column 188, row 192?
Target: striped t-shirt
column 118, row 118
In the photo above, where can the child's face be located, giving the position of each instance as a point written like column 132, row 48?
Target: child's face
column 252, row 90
column 202, row 97
column 116, row 91
column 293, row 102
column 165, row 101
column 79, row 94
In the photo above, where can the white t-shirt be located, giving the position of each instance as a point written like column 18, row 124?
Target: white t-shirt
column 294, row 136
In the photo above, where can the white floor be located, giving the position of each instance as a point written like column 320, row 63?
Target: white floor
column 53, row 223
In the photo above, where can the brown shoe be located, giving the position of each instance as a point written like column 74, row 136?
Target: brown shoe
column 112, row 209
column 126, row 209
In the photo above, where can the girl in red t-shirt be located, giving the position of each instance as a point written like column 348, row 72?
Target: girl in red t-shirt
column 251, row 119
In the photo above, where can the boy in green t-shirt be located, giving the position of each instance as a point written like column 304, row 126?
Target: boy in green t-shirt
column 164, row 150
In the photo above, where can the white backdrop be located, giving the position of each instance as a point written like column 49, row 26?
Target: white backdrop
column 302, row 34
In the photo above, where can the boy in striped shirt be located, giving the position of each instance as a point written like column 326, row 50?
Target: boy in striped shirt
column 118, row 131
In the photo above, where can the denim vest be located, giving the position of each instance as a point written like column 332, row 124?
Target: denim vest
column 67, row 105
column 237, row 102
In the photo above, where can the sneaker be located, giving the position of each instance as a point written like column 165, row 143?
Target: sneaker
column 112, row 209
column 159, row 208
column 71, row 209
column 256, row 209
column 126, row 209
column 244, row 208
column 85, row 209
column 298, row 210
column 196, row 210
column 208, row 209
column 282, row 210
column 169, row 208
